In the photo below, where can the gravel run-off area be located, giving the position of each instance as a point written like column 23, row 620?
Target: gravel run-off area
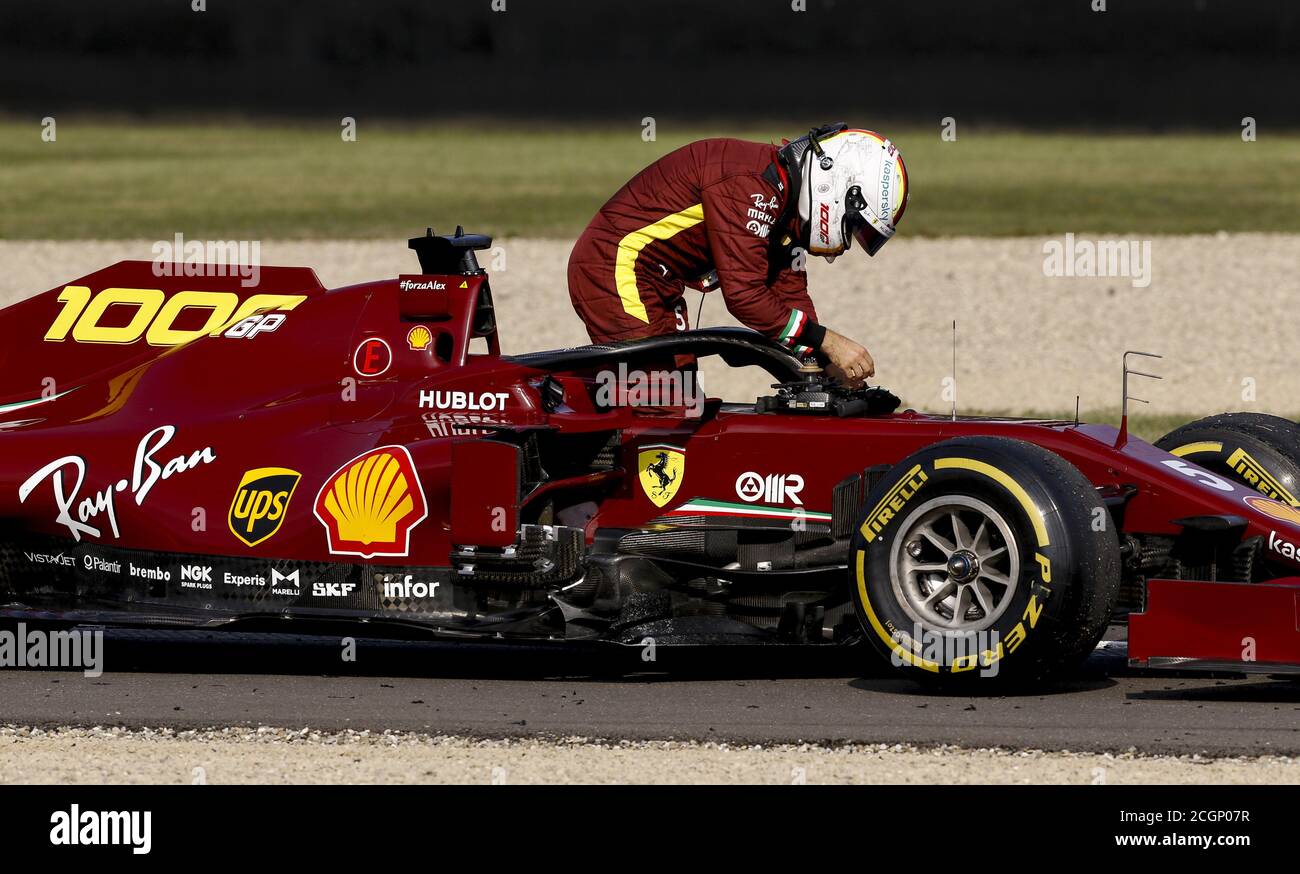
column 283, row 756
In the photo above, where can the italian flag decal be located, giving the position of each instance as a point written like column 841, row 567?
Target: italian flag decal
column 793, row 327
column 22, row 405
column 705, row 507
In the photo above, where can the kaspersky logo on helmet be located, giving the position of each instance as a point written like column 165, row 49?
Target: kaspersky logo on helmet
column 893, row 187
column 886, row 192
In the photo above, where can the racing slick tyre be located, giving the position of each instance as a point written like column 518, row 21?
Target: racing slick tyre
column 1259, row 451
column 984, row 558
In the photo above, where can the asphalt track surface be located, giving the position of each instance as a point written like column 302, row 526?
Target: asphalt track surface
column 203, row 680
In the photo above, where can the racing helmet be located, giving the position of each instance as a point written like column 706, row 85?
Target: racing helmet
column 853, row 187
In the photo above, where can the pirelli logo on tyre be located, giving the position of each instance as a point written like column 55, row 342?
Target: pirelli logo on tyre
column 893, row 502
column 1254, row 475
column 261, row 502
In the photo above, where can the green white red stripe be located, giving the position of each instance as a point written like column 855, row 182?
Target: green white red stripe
column 35, row 402
column 706, row 507
column 793, row 327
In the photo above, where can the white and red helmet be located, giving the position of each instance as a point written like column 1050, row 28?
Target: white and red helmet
column 853, row 187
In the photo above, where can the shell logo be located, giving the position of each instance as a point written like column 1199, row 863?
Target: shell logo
column 1278, row 510
column 370, row 505
column 419, row 338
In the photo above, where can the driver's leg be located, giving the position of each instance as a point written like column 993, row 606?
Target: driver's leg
column 608, row 317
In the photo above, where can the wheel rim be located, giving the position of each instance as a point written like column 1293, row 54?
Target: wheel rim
column 955, row 565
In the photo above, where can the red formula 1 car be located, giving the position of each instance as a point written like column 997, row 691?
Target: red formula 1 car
column 203, row 451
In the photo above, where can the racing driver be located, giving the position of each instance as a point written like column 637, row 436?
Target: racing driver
column 746, row 212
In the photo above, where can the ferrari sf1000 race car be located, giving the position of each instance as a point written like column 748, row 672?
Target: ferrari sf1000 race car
column 193, row 451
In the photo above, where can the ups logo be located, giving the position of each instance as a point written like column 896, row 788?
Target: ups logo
column 261, row 502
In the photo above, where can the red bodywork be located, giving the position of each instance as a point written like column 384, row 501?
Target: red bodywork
column 120, row 436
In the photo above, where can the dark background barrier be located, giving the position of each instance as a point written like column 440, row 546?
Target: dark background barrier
column 1143, row 64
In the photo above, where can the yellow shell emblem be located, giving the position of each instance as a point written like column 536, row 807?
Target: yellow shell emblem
column 419, row 338
column 1278, row 510
column 370, row 505
column 661, row 468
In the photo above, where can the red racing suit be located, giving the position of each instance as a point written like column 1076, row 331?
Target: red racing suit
column 719, row 204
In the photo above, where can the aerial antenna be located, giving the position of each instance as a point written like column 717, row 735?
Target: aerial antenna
column 708, row 282
column 954, row 370
column 1122, row 439
column 1076, row 411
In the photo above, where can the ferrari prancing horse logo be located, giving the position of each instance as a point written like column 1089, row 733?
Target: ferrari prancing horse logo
column 661, row 467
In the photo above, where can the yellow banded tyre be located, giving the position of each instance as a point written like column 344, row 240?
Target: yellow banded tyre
column 984, row 560
column 1256, row 450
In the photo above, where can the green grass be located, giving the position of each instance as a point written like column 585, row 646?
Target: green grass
column 244, row 181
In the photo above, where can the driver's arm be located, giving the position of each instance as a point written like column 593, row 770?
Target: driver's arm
column 844, row 356
column 792, row 287
column 738, row 223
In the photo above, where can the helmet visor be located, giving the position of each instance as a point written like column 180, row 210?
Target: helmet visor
column 864, row 234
